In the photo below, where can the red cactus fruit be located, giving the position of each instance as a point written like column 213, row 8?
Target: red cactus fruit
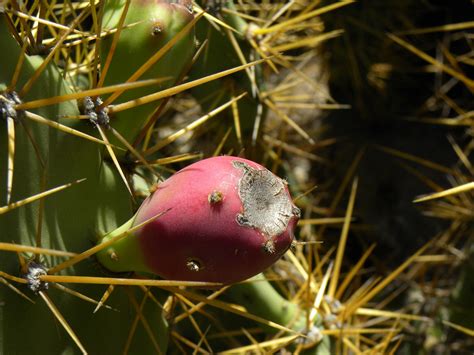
column 226, row 219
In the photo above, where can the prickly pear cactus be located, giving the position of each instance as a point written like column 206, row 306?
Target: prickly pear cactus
column 44, row 145
column 55, row 134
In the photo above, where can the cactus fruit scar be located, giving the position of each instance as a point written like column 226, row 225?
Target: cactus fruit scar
column 266, row 205
column 227, row 219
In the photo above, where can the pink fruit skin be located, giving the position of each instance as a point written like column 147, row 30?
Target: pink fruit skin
column 194, row 229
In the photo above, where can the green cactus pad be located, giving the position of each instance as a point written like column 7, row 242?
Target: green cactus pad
column 70, row 221
column 151, row 24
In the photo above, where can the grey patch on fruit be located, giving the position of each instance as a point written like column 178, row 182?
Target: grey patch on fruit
column 215, row 197
column 35, row 284
column 193, row 265
column 266, row 204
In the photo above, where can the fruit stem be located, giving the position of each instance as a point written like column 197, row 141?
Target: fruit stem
column 260, row 298
column 124, row 254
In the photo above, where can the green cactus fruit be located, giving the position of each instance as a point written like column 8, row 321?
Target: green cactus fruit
column 226, row 219
column 151, row 24
column 69, row 221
